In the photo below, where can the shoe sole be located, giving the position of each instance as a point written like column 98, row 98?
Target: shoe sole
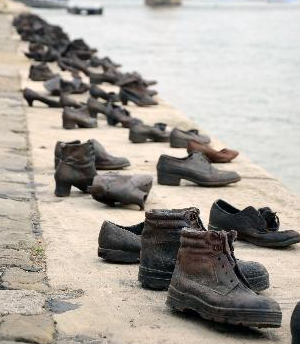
column 254, row 241
column 118, row 256
column 154, row 279
column 245, row 317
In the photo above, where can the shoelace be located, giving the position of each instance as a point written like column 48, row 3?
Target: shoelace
column 271, row 218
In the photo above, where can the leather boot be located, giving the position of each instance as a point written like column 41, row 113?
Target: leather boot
column 157, row 261
column 295, row 325
column 113, row 188
column 31, row 96
column 76, row 168
column 77, row 117
column 207, row 280
column 40, row 72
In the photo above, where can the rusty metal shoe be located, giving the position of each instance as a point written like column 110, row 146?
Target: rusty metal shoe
column 80, row 118
column 66, row 101
column 116, row 114
column 76, row 168
column 31, row 96
column 223, row 156
column 160, row 243
column 207, row 280
column 40, row 72
column 97, row 92
column 180, row 138
column 120, row 244
column 140, row 133
column 113, row 188
column 136, row 93
column 57, row 85
column 195, row 168
column 95, row 107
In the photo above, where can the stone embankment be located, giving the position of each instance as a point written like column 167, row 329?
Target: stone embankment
column 54, row 289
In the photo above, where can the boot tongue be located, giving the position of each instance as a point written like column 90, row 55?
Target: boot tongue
column 255, row 218
column 194, row 219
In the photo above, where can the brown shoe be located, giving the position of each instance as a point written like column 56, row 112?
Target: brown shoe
column 208, row 281
column 224, row 155
column 76, row 168
column 78, row 117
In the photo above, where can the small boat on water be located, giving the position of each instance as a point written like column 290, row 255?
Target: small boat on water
column 46, row 3
column 85, row 7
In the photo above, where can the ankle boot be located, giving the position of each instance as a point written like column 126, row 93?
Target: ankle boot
column 157, row 261
column 76, row 168
column 97, row 92
column 113, row 188
column 206, row 280
column 31, row 96
column 40, row 72
column 77, row 117
column 58, row 150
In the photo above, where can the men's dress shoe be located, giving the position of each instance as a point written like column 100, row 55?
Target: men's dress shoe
column 31, row 96
column 271, row 218
column 160, row 243
column 140, row 133
column 76, row 168
column 207, row 280
column 295, row 325
column 195, row 168
column 98, row 92
column 103, row 160
column 40, row 72
column 120, row 244
column 77, row 117
column 180, row 138
column 113, row 188
column 222, row 156
column 250, row 226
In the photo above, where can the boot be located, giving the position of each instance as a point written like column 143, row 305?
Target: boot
column 103, row 160
column 31, row 96
column 140, row 133
column 40, row 72
column 112, row 188
column 97, row 92
column 120, row 244
column 206, row 280
column 295, row 325
column 157, row 261
column 76, row 168
column 77, row 117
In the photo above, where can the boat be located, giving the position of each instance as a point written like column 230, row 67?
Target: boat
column 45, row 3
column 85, row 7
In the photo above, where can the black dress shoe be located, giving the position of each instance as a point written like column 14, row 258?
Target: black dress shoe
column 250, row 225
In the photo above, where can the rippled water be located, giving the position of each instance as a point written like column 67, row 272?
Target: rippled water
column 233, row 67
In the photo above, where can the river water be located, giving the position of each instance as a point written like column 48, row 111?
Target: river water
column 234, row 67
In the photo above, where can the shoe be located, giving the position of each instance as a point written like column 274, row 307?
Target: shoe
column 40, row 72
column 195, row 168
column 136, row 93
column 222, row 156
column 58, row 150
column 77, row 117
column 76, row 168
column 57, row 85
column 206, row 280
column 295, row 325
column 250, row 226
column 113, row 188
column 66, row 101
column 95, row 107
column 111, row 77
column 120, row 244
column 31, row 96
column 160, row 243
column 271, row 218
column 116, row 114
column 180, row 138
column 97, row 92
column 140, row 133
column 104, row 62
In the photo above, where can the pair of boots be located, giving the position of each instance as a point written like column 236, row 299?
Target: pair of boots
column 198, row 266
column 76, row 165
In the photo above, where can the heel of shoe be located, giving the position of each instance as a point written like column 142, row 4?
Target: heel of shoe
column 29, row 101
column 164, row 178
column 118, row 256
column 154, row 279
column 123, row 99
column 62, row 189
column 137, row 138
column 174, row 300
column 67, row 124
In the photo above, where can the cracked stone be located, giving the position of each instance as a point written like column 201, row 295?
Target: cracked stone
column 16, row 278
column 14, row 240
column 37, row 329
column 16, row 258
column 27, row 302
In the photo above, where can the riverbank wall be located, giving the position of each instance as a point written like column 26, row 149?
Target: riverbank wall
column 54, row 289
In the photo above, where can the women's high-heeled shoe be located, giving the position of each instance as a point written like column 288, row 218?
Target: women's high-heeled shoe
column 31, row 96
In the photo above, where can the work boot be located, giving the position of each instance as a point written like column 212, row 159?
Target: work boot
column 223, row 156
column 180, row 138
column 31, row 96
column 113, row 188
column 295, row 325
column 40, row 72
column 97, row 92
column 120, row 244
column 207, row 280
column 250, row 225
column 58, row 150
column 160, row 243
column 195, row 168
column 66, row 101
column 140, row 133
column 77, row 117
column 76, row 168
column 116, row 114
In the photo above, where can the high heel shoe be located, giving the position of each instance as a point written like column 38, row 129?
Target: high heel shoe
column 31, row 96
